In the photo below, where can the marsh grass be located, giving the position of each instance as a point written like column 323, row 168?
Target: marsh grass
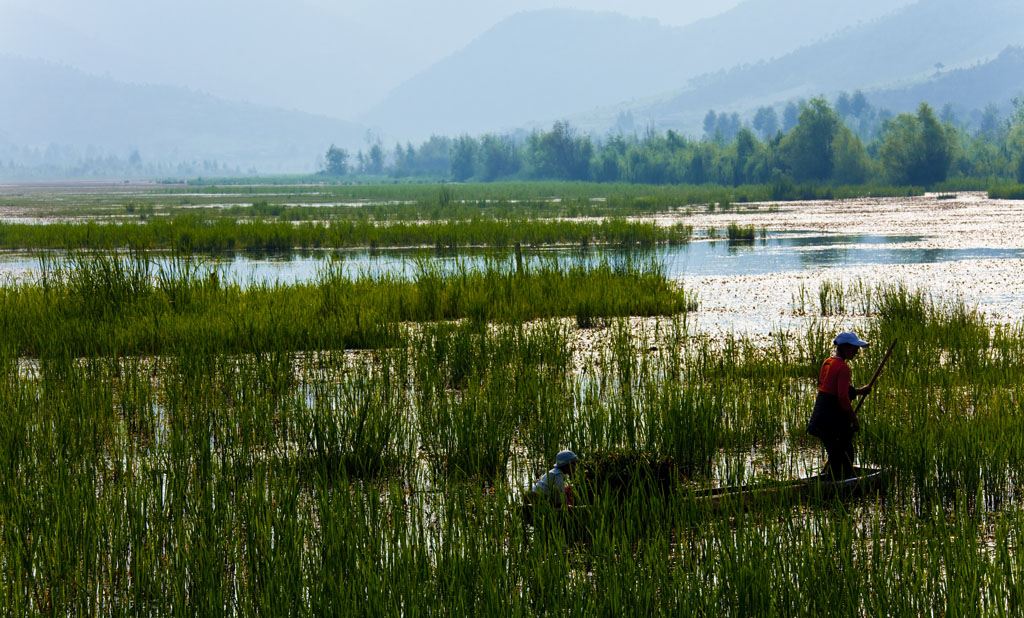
column 740, row 233
column 103, row 303
column 209, row 481
column 1006, row 192
column 638, row 196
column 420, row 202
column 193, row 234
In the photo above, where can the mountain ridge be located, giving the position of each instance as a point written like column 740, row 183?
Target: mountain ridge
column 856, row 58
column 538, row 65
column 61, row 105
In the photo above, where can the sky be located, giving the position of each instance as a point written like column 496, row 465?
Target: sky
column 334, row 58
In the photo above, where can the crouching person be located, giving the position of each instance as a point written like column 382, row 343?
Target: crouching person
column 551, row 487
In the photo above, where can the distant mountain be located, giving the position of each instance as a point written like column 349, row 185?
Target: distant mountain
column 52, row 104
column 972, row 88
column 896, row 52
column 543, row 64
column 299, row 54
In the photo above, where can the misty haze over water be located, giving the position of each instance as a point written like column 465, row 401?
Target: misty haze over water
column 268, row 86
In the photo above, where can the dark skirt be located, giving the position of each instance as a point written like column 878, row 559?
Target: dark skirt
column 829, row 420
column 832, row 425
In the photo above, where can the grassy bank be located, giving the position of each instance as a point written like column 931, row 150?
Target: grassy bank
column 1007, row 192
column 222, row 234
column 423, row 202
column 104, row 304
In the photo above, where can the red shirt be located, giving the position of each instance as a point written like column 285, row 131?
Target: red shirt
column 834, row 379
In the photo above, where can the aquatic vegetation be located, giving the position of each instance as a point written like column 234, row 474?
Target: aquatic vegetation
column 101, row 303
column 174, row 443
column 289, row 482
column 740, row 233
column 1006, row 192
column 217, row 235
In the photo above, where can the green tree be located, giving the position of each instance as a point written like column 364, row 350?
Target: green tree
column 700, row 165
column 990, row 126
column 403, row 161
column 375, row 159
column 746, row 147
column 336, row 161
column 463, row 159
column 675, row 142
column 844, row 105
column 710, row 122
column 609, row 166
column 916, row 149
column 898, row 148
column 499, row 157
column 936, row 146
column 727, row 127
column 432, row 158
column 850, row 162
column 766, row 122
column 561, row 153
column 807, row 149
column 1015, row 139
column 791, row 115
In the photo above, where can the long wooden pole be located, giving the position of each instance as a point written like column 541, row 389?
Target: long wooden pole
column 875, row 377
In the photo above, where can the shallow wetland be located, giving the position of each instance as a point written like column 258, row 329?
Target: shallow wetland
column 272, row 436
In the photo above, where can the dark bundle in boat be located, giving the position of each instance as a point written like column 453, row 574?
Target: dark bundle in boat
column 619, row 472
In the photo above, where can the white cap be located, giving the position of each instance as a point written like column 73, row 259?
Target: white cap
column 850, row 338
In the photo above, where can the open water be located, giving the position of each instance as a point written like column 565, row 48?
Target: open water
column 778, row 252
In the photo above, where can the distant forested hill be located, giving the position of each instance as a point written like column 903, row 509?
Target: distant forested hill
column 969, row 88
column 47, row 107
column 544, row 64
column 899, row 52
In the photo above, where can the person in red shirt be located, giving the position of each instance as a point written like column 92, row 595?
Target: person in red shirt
column 833, row 419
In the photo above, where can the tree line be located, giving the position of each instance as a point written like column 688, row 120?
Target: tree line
column 847, row 143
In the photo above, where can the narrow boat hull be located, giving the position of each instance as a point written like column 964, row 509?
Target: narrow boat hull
column 865, row 482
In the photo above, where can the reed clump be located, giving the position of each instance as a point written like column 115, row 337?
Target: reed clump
column 193, row 234
column 741, row 233
column 102, row 303
column 1006, row 192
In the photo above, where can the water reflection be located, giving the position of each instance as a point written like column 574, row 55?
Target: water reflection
column 778, row 252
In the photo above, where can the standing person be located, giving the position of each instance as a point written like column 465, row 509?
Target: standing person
column 833, row 419
column 551, row 485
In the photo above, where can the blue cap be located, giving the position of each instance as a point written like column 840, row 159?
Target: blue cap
column 565, row 458
column 850, row 338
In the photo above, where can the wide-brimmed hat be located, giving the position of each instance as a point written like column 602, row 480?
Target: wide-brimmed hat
column 850, row 338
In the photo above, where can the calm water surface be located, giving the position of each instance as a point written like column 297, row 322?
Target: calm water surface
column 779, row 252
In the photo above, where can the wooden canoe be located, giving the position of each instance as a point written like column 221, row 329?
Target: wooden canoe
column 865, row 482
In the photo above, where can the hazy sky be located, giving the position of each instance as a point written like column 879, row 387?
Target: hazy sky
column 323, row 56
column 485, row 12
